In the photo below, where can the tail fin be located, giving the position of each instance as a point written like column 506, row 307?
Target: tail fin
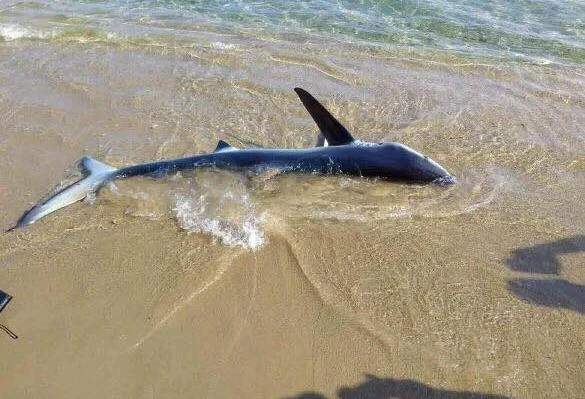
column 90, row 166
column 96, row 174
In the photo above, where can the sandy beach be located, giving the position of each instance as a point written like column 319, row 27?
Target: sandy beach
column 215, row 284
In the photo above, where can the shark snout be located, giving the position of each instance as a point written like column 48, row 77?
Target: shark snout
column 436, row 172
column 435, row 168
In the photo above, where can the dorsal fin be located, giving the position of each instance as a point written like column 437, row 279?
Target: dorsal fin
column 223, row 146
column 334, row 132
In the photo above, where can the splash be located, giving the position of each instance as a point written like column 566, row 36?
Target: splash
column 197, row 215
column 215, row 203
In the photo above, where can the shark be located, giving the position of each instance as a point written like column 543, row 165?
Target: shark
column 337, row 152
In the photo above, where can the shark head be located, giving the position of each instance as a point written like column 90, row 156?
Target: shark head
column 392, row 160
column 400, row 161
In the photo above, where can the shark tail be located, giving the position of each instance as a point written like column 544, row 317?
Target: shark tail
column 95, row 175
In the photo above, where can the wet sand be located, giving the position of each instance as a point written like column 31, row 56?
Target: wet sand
column 337, row 287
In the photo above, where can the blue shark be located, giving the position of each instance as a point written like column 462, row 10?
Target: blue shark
column 337, row 153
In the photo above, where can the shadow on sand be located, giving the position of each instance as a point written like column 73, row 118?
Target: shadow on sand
column 544, row 259
column 382, row 388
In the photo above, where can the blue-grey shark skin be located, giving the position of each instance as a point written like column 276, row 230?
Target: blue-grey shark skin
column 386, row 160
column 346, row 156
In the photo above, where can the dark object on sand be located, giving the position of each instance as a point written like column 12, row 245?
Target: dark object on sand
column 4, row 299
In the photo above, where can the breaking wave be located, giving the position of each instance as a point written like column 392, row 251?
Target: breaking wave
column 10, row 32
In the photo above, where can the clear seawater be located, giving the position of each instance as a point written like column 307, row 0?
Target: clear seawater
column 540, row 31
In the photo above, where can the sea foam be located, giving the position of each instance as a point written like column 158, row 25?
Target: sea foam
column 240, row 230
column 9, row 32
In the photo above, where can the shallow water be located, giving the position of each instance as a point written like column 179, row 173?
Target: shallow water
column 272, row 285
column 542, row 31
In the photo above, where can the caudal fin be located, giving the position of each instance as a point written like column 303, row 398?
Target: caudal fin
column 96, row 174
column 90, row 166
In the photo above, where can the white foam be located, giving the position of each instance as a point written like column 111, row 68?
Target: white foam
column 402, row 213
column 223, row 46
column 245, row 231
column 9, row 32
column 365, row 143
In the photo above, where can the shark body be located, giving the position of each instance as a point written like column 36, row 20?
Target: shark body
column 339, row 153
